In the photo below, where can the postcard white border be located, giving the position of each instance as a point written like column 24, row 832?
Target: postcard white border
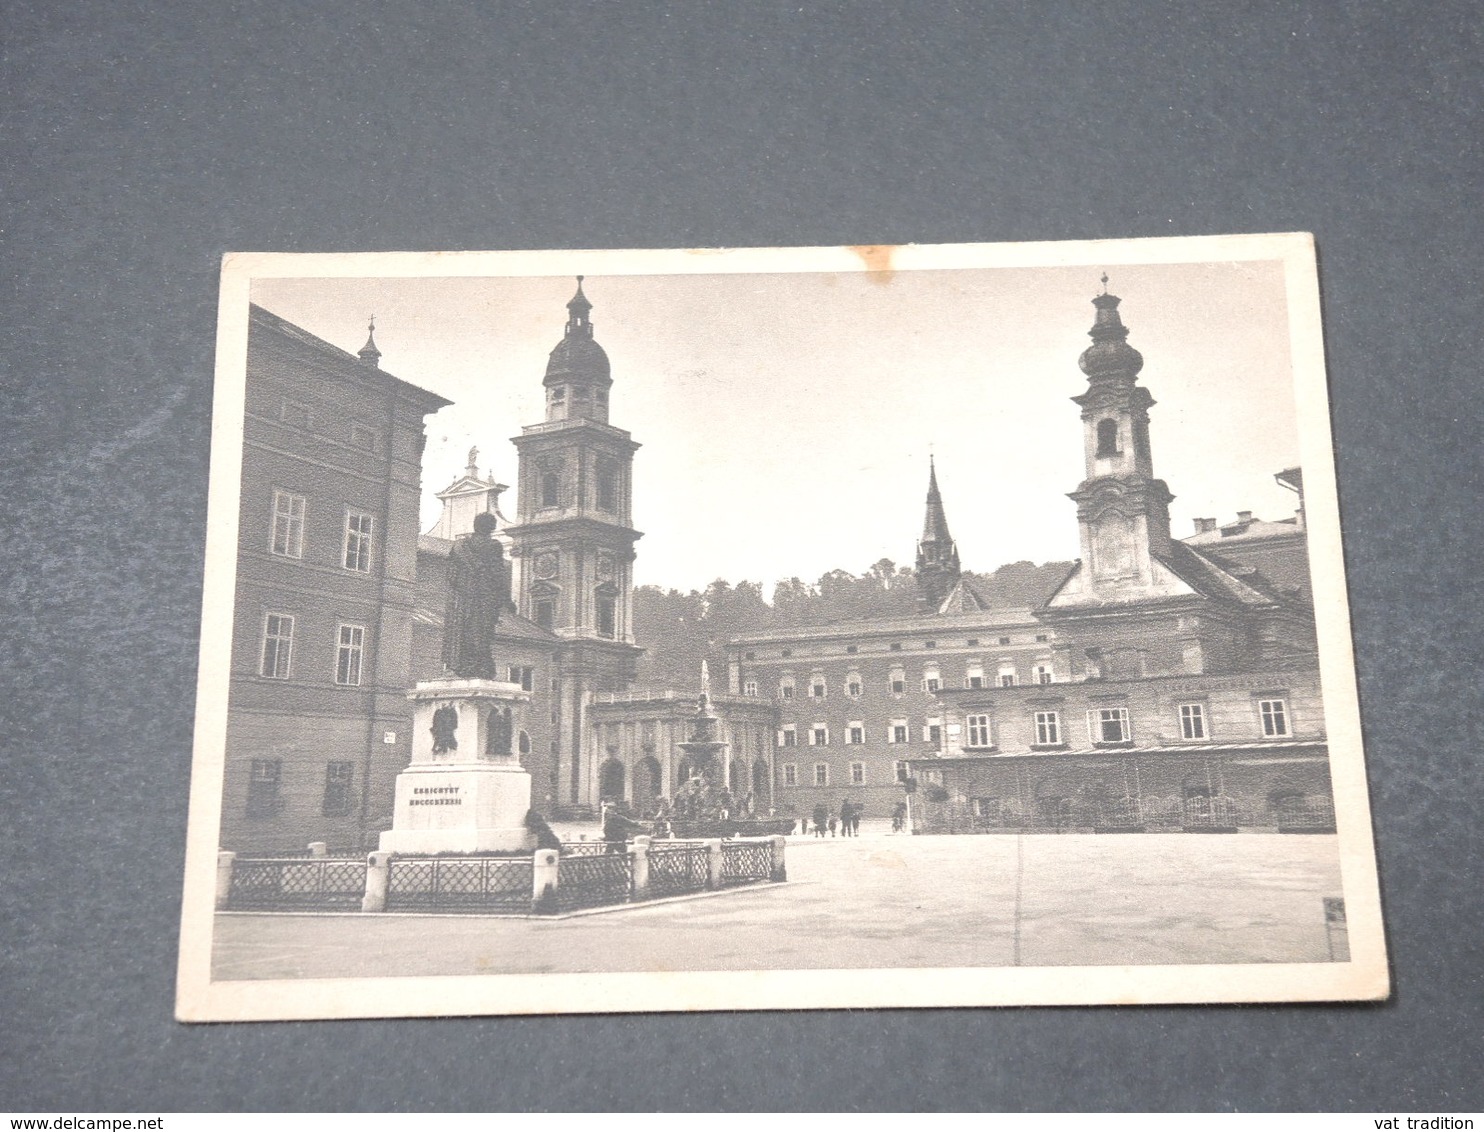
column 1364, row 977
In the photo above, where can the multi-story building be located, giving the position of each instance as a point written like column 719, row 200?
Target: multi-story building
column 317, row 723
column 1185, row 680
column 857, row 700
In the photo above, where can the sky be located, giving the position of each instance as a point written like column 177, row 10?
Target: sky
column 787, row 419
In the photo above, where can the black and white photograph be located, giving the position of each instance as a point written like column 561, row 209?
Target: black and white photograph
column 957, row 625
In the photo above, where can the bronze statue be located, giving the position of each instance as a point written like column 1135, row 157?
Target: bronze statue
column 445, row 729
column 478, row 592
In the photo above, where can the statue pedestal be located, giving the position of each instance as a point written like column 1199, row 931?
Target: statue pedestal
column 465, row 790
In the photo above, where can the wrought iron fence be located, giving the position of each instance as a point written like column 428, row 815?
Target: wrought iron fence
column 1125, row 814
column 460, row 884
column 743, row 862
column 1312, row 814
column 1210, row 814
column 290, row 883
column 590, row 881
column 676, row 867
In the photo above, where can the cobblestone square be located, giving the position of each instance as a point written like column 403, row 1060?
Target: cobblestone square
column 878, row 901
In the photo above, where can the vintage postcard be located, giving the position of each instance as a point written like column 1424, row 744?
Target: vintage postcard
column 775, row 629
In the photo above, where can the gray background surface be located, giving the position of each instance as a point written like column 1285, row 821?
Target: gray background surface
column 142, row 141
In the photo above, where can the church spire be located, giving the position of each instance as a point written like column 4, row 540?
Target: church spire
column 938, row 569
column 369, row 352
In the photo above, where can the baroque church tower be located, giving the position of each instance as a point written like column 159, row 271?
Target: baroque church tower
column 574, row 540
column 1123, row 512
column 1139, row 603
column 938, row 569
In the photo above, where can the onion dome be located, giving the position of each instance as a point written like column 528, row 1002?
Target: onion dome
column 369, row 352
column 577, row 358
column 1110, row 355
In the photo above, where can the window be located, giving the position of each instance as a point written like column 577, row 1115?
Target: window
column 262, row 788
column 551, row 489
column 1274, row 717
column 1041, row 637
column 348, row 655
column 819, row 735
column 1107, row 439
column 1108, row 725
column 901, row 770
column 787, row 653
column 338, row 779
column 288, row 524
column 606, row 616
column 817, row 690
column 545, row 613
column 1007, row 677
column 898, row 681
column 607, row 489
column 1004, row 640
column 788, row 737
column 1192, row 721
column 979, row 733
column 852, row 649
column 749, row 687
column 278, row 645
column 896, row 732
column 973, row 642
column 1048, row 728
column 853, row 685
column 896, row 646
column 857, row 774
column 1043, row 674
column 933, row 732
column 929, row 644
column 357, row 554
column 932, row 680
column 790, row 774
column 786, row 688
column 855, row 732
column 821, row 774
column 974, row 675
column 752, row 656
column 522, row 674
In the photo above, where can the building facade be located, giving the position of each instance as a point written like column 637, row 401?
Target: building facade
column 317, row 724
column 1185, row 687
column 1158, row 673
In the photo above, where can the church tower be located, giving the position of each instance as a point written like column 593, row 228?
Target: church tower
column 574, row 541
column 938, row 568
column 1123, row 512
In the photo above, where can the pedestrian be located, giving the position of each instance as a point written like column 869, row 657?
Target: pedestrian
column 846, row 810
column 821, row 816
column 832, row 825
column 855, row 819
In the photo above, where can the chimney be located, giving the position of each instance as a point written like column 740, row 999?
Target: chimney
column 1204, row 525
column 1244, row 516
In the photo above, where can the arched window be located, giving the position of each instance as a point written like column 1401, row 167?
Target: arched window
column 1107, row 438
column 551, row 489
